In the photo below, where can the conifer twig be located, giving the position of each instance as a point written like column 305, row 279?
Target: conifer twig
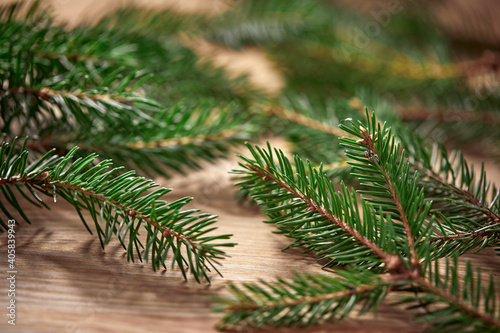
column 48, row 184
column 373, row 154
column 448, row 115
column 396, row 224
column 427, row 285
column 119, row 205
column 389, row 260
column 465, row 194
column 46, row 93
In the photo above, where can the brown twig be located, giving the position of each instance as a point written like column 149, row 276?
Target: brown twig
column 183, row 141
column 47, row 93
column 441, row 115
column 47, row 183
column 308, row 299
column 489, row 61
column 453, row 300
column 368, row 142
column 462, row 236
column 466, row 195
column 392, row 262
column 304, row 120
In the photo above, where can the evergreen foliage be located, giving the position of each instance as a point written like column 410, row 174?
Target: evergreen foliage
column 386, row 209
column 96, row 93
column 88, row 87
column 383, row 238
column 119, row 205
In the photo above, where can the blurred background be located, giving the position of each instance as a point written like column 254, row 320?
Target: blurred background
column 434, row 63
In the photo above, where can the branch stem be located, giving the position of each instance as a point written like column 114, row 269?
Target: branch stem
column 368, row 141
column 449, row 298
column 452, row 115
column 468, row 196
column 388, row 259
column 307, row 299
column 46, row 183
column 47, row 93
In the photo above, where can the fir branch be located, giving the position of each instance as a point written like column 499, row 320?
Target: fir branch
column 321, row 210
column 263, row 23
column 307, row 208
column 449, row 115
column 98, row 93
column 60, row 112
column 152, row 21
column 398, row 66
column 460, row 122
column 33, row 39
column 456, row 178
column 305, row 300
column 316, row 48
column 182, row 135
column 45, row 182
column 458, row 242
column 454, row 305
column 382, row 160
column 461, row 199
column 118, row 205
column 311, row 125
column 453, row 300
column 461, row 216
column 226, row 134
column 47, row 93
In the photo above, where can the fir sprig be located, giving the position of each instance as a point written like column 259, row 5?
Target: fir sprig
column 467, row 203
column 177, row 137
column 391, row 234
column 304, row 300
column 320, row 220
column 385, row 174
column 453, row 178
column 120, row 206
column 456, row 302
